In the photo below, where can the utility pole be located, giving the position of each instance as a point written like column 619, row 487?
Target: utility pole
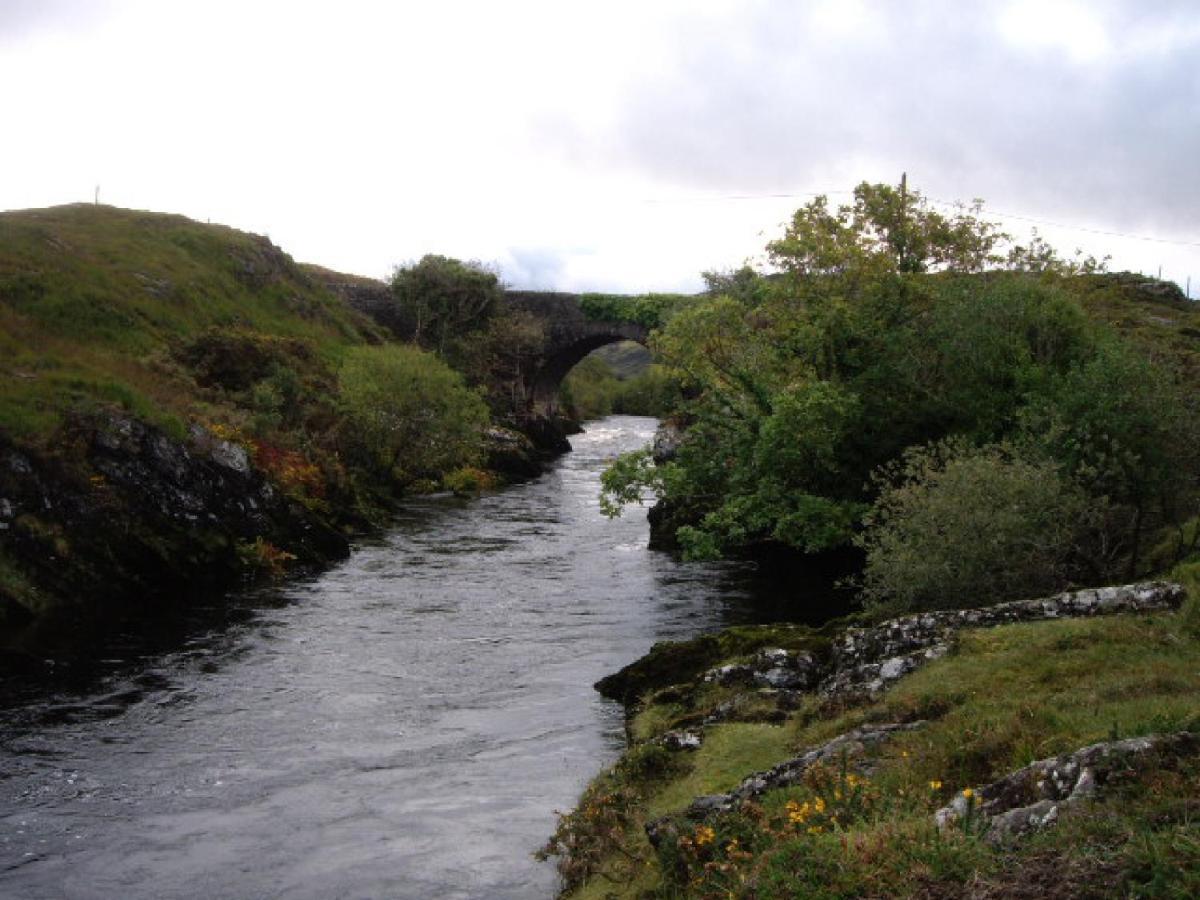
column 902, row 242
column 96, row 199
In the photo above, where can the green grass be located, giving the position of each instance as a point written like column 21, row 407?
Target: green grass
column 94, row 300
column 729, row 753
column 1003, row 698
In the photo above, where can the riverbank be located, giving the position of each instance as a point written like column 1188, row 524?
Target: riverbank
column 784, row 762
column 401, row 724
column 184, row 408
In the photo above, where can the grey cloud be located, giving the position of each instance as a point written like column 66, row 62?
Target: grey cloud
column 22, row 18
column 533, row 268
column 764, row 104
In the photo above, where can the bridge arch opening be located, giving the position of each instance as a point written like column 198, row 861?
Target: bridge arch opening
column 547, row 382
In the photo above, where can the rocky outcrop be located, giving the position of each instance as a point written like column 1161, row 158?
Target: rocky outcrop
column 1031, row 798
column 866, row 660
column 511, row 454
column 675, row 662
column 860, row 662
column 667, row 439
column 124, row 510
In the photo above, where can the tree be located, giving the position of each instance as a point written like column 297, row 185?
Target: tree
column 1121, row 427
column 890, row 325
column 886, row 230
column 442, row 298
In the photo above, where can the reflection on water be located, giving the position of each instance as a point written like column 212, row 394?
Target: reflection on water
column 403, row 725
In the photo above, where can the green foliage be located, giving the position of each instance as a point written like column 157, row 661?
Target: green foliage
column 499, row 357
column 959, row 526
column 654, row 392
column 982, row 349
column 593, row 389
column 890, row 326
column 409, row 413
column 469, row 481
column 589, row 389
column 1040, row 257
column 443, row 299
column 885, row 230
column 1188, row 574
column 631, row 478
column 650, row 310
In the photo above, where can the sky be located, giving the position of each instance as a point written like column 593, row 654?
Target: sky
column 622, row 146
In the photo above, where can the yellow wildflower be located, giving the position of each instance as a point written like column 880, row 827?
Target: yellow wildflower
column 968, row 793
column 935, row 785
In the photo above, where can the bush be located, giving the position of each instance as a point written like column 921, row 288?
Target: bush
column 410, row 414
column 440, row 299
column 469, row 481
column 958, row 526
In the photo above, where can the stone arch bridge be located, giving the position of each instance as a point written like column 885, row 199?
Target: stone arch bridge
column 569, row 334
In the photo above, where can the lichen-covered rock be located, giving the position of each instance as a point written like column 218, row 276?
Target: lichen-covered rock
column 667, row 439
column 868, row 680
column 771, row 667
column 1031, row 797
column 682, row 740
column 850, row 747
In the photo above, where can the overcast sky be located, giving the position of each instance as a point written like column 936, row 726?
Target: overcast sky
column 616, row 145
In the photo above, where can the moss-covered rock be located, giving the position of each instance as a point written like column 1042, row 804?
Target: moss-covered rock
column 674, row 662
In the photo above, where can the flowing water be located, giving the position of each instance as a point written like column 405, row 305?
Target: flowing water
column 403, row 725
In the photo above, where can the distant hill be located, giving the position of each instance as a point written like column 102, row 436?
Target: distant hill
column 626, row 359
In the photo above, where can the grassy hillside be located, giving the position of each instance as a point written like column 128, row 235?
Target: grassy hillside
column 182, row 404
column 96, row 303
column 864, row 827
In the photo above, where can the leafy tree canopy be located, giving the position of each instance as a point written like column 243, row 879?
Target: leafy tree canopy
column 442, row 298
column 889, row 326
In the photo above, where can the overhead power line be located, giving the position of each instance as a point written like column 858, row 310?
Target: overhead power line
column 986, row 213
column 1036, row 220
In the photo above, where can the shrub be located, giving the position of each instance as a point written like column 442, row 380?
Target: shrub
column 409, row 414
column 958, row 526
column 469, row 481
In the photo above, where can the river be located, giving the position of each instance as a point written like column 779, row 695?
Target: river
column 402, row 725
